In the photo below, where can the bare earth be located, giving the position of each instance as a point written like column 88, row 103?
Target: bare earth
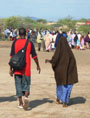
column 43, row 89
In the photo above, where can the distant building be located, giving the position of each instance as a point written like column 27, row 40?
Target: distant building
column 51, row 23
column 80, row 23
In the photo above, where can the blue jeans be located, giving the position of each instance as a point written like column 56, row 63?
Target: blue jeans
column 22, row 84
column 39, row 46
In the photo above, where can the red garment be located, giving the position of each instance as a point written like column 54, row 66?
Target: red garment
column 19, row 44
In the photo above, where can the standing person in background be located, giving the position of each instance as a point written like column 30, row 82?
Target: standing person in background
column 82, row 47
column 14, row 34
column 28, row 35
column 47, row 41
column 65, row 70
column 78, row 41
column 39, row 41
column 23, row 77
column 73, row 42
column 54, row 34
column 87, row 40
column 11, row 35
column 7, row 33
column 33, row 37
column 69, row 39
column 43, row 40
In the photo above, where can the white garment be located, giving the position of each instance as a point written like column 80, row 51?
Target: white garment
column 79, row 36
column 11, row 34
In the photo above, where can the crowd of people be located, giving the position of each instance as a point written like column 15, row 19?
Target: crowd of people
column 10, row 33
column 78, row 41
column 47, row 40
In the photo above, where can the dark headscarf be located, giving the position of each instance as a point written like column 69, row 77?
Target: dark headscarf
column 59, row 36
column 64, row 64
column 57, row 39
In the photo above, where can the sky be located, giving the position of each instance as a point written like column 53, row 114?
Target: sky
column 51, row 10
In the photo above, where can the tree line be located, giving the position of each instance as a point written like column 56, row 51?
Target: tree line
column 27, row 22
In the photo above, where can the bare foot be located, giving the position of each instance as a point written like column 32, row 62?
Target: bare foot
column 57, row 101
column 64, row 105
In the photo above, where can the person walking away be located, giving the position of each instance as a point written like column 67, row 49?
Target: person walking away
column 23, row 77
column 65, row 70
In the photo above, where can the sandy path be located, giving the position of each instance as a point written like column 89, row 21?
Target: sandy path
column 42, row 98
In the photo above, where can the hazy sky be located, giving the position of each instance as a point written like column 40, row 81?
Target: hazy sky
column 46, row 9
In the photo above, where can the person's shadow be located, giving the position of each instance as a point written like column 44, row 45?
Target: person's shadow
column 35, row 103
column 10, row 99
column 77, row 100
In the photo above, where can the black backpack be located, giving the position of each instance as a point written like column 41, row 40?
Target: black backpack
column 18, row 61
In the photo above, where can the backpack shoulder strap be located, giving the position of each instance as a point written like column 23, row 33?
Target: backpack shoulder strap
column 26, row 44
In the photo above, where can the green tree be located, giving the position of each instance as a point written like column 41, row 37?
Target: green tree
column 83, row 20
column 13, row 22
column 84, row 29
column 28, row 20
column 42, row 21
column 68, row 22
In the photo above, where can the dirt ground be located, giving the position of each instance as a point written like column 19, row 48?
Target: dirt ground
column 43, row 89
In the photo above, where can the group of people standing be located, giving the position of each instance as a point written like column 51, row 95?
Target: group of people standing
column 10, row 33
column 47, row 39
column 63, row 64
column 79, row 41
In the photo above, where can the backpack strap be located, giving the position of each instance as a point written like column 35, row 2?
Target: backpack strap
column 26, row 44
